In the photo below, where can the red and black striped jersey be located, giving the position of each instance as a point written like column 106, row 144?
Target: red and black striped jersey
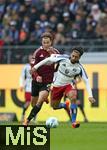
column 46, row 71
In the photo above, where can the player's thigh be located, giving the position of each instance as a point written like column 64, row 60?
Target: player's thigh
column 43, row 92
column 35, row 89
column 43, row 95
column 34, row 100
column 72, row 94
column 55, row 103
column 27, row 97
column 56, row 95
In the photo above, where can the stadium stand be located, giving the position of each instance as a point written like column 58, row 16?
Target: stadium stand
column 72, row 22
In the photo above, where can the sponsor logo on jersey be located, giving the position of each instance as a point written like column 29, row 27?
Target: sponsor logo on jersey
column 41, row 55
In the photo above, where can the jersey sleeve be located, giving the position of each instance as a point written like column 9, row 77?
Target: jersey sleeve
column 22, row 77
column 52, row 59
column 86, row 81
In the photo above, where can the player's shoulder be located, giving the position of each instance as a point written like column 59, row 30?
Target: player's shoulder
column 56, row 51
column 26, row 66
column 37, row 51
column 83, row 70
column 80, row 65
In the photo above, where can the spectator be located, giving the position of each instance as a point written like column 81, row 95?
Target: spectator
column 47, row 9
column 67, row 22
column 14, row 5
column 1, row 50
column 12, row 33
column 74, row 6
column 75, row 31
column 48, row 27
column 26, row 23
column 1, row 44
column 43, row 21
column 23, row 21
column 53, row 20
column 96, row 12
column 22, row 11
column 23, row 37
column 2, row 8
column 34, row 16
column 59, row 36
column 36, row 33
column 101, row 29
column 90, row 20
column 89, row 33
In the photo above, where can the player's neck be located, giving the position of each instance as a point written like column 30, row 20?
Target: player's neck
column 47, row 48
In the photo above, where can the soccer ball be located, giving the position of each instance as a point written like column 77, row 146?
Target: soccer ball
column 52, row 122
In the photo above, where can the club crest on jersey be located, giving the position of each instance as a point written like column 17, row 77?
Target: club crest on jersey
column 66, row 71
column 74, row 69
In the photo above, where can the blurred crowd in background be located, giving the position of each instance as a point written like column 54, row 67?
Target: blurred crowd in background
column 23, row 21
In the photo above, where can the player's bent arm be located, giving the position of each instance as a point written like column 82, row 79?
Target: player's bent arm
column 88, row 87
column 41, row 63
column 49, row 60
column 86, row 80
column 90, row 97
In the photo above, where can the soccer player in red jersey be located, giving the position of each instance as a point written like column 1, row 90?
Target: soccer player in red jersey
column 43, row 77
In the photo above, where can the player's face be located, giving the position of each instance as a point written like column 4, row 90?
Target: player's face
column 46, row 43
column 75, row 56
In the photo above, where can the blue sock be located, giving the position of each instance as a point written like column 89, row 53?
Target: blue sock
column 61, row 105
column 73, row 108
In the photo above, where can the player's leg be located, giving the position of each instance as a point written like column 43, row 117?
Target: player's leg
column 72, row 94
column 34, row 99
column 67, row 101
column 43, row 91
column 73, row 106
column 56, row 96
column 26, row 104
column 42, row 96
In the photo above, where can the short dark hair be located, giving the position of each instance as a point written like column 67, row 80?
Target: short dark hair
column 78, row 49
column 47, row 35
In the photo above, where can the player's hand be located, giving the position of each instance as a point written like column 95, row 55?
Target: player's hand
column 92, row 100
column 39, row 79
column 32, row 70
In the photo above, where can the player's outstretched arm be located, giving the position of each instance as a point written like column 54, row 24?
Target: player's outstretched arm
column 86, row 80
column 52, row 59
column 91, row 99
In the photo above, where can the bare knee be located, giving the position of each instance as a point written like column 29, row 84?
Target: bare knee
column 43, row 95
column 33, row 101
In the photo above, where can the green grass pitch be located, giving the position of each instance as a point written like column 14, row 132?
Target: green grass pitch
column 90, row 136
